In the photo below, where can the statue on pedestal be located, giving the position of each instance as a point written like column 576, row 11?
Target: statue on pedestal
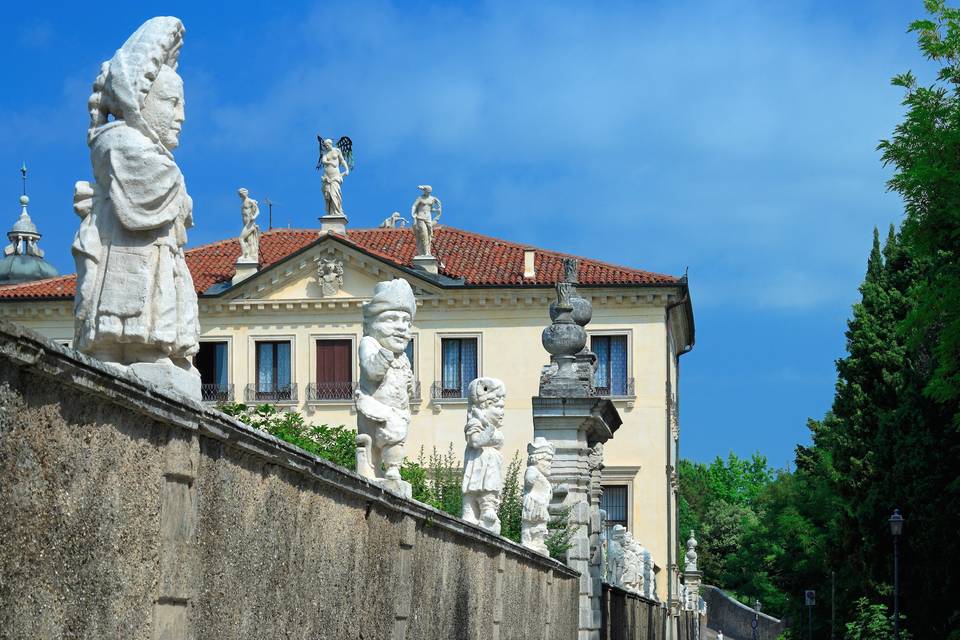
column 394, row 221
column 386, row 382
column 537, row 493
column 135, row 303
column 482, row 461
column 250, row 234
column 423, row 221
column 332, row 158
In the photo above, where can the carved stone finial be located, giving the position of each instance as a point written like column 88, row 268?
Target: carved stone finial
column 691, row 555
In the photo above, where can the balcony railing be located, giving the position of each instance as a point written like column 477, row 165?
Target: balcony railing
column 623, row 389
column 271, row 393
column 440, row 392
column 216, row 392
column 321, row 391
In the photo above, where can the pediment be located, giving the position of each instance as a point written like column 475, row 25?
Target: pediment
column 327, row 270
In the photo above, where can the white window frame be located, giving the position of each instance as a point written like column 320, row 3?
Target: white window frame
column 354, row 368
column 252, row 363
column 629, row 398
column 438, row 360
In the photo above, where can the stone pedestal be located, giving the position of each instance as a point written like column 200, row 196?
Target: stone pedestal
column 169, row 378
column 336, row 224
column 244, row 271
column 427, row 263
column 575, row 426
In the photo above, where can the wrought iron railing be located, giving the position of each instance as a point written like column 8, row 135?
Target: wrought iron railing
column 271, row 393
column 621, row 389
column 214, row 392
column 439, row 392
column 320, row 391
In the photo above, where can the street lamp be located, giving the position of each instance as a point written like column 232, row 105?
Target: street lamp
column 896, row 529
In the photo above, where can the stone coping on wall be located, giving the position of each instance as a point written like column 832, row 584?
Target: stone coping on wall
column 630, row 594
column 733, row 601
column 26, row 348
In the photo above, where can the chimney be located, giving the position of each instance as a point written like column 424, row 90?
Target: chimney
column 529, row 270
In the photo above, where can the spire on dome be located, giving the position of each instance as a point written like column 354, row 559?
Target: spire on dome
column 23, row 259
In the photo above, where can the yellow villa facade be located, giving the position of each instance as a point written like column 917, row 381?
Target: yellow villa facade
column 288, row 335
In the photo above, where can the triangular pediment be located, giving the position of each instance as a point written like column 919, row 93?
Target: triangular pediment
column 326, row 270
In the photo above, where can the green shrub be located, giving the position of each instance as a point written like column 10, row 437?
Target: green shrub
column 436, row 480
column 511, row 501
column 558, row 542
column 336, row 444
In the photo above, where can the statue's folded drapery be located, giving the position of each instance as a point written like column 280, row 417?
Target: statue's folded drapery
column 136, row 285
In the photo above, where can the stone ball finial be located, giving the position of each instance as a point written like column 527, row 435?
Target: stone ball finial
column 24, row 200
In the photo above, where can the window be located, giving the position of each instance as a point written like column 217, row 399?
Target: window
column 413, row 362
column 334, row 370
column 273, row 371
column 613, row 500
column 611, row 376
column 211, row 362
column 458, row 366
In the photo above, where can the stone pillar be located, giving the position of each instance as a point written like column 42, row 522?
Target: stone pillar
column 574, row 426
column 430, row 264
column 692, row 579
column 334, row 223
column 244, row 271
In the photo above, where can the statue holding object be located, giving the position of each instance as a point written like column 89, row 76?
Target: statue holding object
column 386, row 383
column 482, row 461
column 537, row 494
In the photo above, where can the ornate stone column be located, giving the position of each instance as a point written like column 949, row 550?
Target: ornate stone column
column 570, row 416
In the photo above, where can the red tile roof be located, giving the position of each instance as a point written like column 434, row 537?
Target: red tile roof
column 479, row 260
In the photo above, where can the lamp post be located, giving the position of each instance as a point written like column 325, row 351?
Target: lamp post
column 896, row 529
column 756, row 619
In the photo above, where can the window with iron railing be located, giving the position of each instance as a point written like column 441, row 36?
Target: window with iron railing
column 458, row 367
column 334, row 370
column 212, row 363
column 614, row 501
column 273, row 373
column 280, row 394
column 611, row 377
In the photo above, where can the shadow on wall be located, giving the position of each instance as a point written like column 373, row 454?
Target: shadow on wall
column 735, row 619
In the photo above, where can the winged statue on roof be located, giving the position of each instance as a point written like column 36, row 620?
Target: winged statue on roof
column 333, row 158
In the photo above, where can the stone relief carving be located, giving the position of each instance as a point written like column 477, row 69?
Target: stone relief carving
column 330, row 276
column 250, row 234
column 135, row 303
column 386, row 382
column 423, row 221
column 537, row 493
column 482, row 460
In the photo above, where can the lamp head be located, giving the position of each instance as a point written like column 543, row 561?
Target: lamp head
column 896, row 524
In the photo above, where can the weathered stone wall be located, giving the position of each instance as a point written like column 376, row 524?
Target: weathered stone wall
column 627, row 616
column 726, row 614
column 125, row 513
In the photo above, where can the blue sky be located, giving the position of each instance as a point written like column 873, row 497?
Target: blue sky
column 736, row 138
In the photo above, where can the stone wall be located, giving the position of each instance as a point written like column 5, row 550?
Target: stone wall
column 627, row 616
column 126, row 513
column 734, row 618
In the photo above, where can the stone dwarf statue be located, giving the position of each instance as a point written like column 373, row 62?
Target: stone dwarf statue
column 250, row 234
column 423, row 221
column 482, row 461
column 632, row 578
column 615, row 555
column 537, row 494
column 135, row 302
column 386, row 382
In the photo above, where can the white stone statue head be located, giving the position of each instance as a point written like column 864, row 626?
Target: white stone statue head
column 486, row 398
column 140, row 84
column 540, row 454
column 243, row 192
column 327, row 144
column 618, row 533
column 389, row 314
column 427, row 189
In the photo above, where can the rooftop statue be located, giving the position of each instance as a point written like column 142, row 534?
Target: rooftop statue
column 423, row 221
column 394, row 221
column 135, row 302
column 386, row 382
column 482, row 461
column 250, row 234
column 332, row 158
